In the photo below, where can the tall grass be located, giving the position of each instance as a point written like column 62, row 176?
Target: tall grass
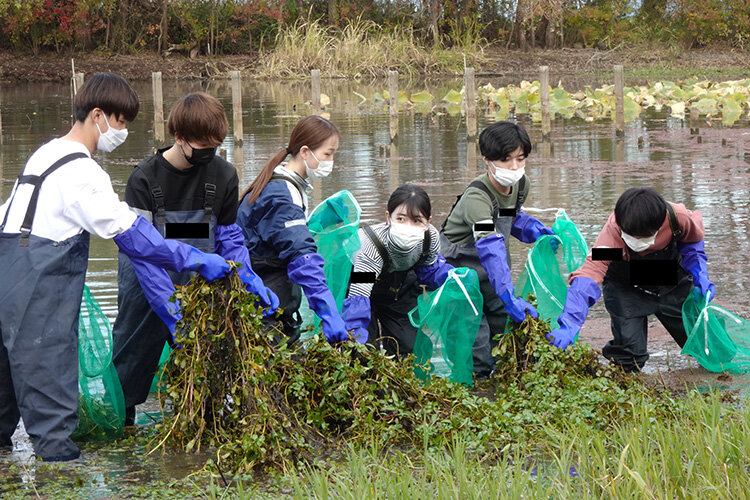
column 362, row 49
column 703, row 452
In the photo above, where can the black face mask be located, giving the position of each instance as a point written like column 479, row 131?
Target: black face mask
column 200, row 157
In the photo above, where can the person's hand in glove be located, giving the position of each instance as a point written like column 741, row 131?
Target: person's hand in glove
column 582, row 294
column 307, row 271
column 170, row 314
column 491, row 251
column 527, row 228
column 254, row 284
column 356, row 315
column 694, row 261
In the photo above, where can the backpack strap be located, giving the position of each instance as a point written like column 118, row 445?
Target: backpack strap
column 36, row 181
column 282, row 177
column 674, row 225
column 378, row 246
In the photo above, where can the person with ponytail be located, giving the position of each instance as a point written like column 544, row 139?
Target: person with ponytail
column 395, row 258
column 273, row 217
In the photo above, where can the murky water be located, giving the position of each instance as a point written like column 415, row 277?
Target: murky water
column 583, row 169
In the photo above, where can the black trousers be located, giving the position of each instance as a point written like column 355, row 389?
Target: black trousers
column 629, row 308
column 389, row 316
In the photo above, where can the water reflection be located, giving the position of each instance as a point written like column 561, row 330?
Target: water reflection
column 583, row 168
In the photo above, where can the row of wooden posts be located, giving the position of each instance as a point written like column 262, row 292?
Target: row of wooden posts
column 315, row 87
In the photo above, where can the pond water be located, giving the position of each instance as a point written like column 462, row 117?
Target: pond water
column 582, row 169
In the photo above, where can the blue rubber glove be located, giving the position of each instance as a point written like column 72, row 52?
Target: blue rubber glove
column 356, row 315
column 582, row 294
column 555, row 244
column 307, row 272
column 157, row 287
column 143, row 241
column 694, row 261
column 527, row 229
column 230, row 244
column 435, row 274
column 170, row 314
column 491, row 251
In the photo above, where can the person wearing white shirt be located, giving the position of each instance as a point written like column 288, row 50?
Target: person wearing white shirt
column 61, row 196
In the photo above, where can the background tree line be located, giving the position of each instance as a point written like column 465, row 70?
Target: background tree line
column 241, row 26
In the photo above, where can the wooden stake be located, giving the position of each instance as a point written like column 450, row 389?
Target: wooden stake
column 237, row 106
column 619, row 101
column 471, row 103
column 393, row 101
column 158, row 107
column 315, row 89
column 694, row 116
column 544, row 97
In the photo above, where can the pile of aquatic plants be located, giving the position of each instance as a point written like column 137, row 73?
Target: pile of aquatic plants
column 263, row 404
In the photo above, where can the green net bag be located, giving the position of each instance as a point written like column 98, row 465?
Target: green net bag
column 333, row 224
column 448, row 320
column 545, row 273
column 718, row 339
column 159, row 384
column 101, row 406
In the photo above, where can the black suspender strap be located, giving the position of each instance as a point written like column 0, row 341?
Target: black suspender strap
column 521, row 196
column 210, row 192
column 426, row 244
column 674, row 224
column 157, row 194
column 378, row 246
column 36, row 181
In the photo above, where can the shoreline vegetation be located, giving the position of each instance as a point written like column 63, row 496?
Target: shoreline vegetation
column 366, row 51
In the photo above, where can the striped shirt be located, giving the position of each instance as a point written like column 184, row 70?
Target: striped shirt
column 368, row 258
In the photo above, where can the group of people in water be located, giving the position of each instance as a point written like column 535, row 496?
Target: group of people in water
column 184, row 214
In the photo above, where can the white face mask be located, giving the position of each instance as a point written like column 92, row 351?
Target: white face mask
column 405, row 236
column 110, row 139
column 638, row 244
column 324, row 168
column 507, row 177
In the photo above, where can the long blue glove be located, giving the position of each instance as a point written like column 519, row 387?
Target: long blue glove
column 491, row 250
column 694, row 261
column 157, row 286
column 230, row 244
column 307, row 271
column 582, row 294
column 435, row 274
column 356, row 315
column 143, row 241
column 527, row 228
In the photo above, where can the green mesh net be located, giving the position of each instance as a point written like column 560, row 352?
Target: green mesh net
column 333, row 224
column 101, row 407
column 718, row 339
column 448, row 320
column 545, row 274
column 159, row 384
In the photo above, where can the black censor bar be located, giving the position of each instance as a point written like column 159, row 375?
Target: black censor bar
column 186, row 230
column 362, row 277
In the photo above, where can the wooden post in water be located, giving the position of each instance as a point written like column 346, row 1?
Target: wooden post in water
column 238, row 159
column 78, row 81
column 315, row 89
column 158, row 107
column 544, row 98
column 619, row 101
column 237, row 106
column 471, row 103
column 694, row 115
column 393, row 101
column 1, row 128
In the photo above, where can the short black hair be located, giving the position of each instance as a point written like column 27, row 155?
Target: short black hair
column 640, row 211
column 500, row 139
column 416, row 200
column 109, row 92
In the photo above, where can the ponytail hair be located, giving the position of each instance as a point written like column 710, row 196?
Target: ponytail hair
column 311, row 131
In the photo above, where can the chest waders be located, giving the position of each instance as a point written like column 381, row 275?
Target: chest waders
column 465, row 255
column 40, row 299
column 629, row 306
column 274, row 274
column 139, row 334
column 393, row 295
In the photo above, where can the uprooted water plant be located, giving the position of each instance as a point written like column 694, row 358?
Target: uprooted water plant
column 261, row 403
